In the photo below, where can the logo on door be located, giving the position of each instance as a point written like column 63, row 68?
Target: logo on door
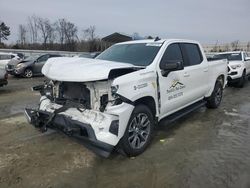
column 175, row 86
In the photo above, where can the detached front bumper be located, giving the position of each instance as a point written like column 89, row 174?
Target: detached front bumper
column 98, row 131
column 15, row 71
column 75, row 129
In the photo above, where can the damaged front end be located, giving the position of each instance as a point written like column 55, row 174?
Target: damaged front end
column 90, row 112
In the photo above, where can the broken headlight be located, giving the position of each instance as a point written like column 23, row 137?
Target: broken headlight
column 116, row 97
column 114, row 90
column 45, row 89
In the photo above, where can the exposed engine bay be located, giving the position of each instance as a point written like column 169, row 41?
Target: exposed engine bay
column 90, row 95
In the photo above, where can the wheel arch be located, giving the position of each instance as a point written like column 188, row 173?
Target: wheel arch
column 28, row 67
column 148, row 101
column 222, row 79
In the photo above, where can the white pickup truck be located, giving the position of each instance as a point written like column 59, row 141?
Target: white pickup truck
column 115, row 100
column 238, row 66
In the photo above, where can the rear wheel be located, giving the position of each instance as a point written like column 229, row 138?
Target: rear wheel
column 242, row 80
column 138, row 133
column 215, row 99
column 28, row 73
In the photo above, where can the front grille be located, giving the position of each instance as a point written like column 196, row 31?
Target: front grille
column 76, row 92
column 10, row 66
column 233, row 73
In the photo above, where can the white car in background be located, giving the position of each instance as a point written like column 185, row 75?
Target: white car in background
column 6, row 57
column 3, row 77
column 238, row 66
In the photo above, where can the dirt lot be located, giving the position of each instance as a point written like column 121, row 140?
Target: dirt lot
column 209, row 148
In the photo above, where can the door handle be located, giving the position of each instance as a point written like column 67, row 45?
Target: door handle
column 205, row 70
column 186, row 74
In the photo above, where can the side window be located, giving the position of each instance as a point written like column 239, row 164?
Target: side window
column 5, row 57
column 192, row 53
column 42, row 58
column 172, row 53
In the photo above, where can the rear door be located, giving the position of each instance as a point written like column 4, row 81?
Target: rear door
column 183, row 87
column 196, row 72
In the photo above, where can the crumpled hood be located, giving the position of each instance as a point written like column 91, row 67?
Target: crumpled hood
column 14, row 62
column 72, row 69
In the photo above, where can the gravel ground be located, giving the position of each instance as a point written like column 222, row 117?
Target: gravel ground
column 208, row 148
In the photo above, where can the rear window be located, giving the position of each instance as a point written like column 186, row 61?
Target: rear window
column 193, row 53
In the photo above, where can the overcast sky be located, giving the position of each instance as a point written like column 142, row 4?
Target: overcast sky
column 203, row 20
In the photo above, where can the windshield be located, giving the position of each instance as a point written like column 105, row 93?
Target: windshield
column 30, row 58
column 140, row 54
column 229, row 57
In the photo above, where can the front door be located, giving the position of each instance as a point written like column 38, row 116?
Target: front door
column 38, row 65
column 173, row 87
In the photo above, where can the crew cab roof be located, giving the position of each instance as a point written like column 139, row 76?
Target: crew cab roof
column 158, row 41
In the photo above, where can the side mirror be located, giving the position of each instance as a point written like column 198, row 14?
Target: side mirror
column 169, row 66
column 247, row 58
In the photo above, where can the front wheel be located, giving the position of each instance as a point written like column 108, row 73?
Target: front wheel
column 28, row 73
column 138, row 133
column 215, row 99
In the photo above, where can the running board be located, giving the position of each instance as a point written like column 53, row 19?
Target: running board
column 179, row 114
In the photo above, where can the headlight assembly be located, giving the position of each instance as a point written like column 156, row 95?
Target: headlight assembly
column 114, row 90
column 20, row 65
column 235, row 66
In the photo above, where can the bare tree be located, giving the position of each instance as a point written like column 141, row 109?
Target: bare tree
column 89, row 33
column 22, row 34
column 248, row 46
column 33, row 28
column 235, row 45
column 4, row 31
column 136, row 36
column 90, row 38
column 60, row 29
column 67, row 33
column 70, row 32
column 215, row 47
column 46, row 29
column 227, row 47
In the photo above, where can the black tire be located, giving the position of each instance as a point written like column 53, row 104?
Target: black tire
column 28, row 73
column 215, row 99
column 230, row 84
column 242, row 80
column 140, row 126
